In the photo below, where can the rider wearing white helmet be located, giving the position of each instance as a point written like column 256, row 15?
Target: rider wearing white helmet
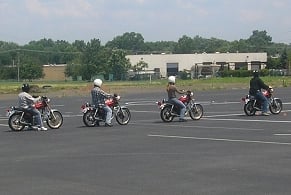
column 98, row 98
column 171, row 89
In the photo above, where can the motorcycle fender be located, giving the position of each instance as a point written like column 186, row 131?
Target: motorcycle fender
column 164, row 105
column 247, row 100
column 85, row 110
column 10, row 112
column 52, row 110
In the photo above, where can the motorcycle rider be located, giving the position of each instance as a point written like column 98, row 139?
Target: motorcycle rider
column 98, row 98
column 256, row 84
column 171, row 89
column 26, row 101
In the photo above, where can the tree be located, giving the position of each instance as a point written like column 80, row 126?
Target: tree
column 284, row 60
column 184, row 46
column 133, row 42
column 31, row 72
column 138, row 67
column 118, row 64
column 259, row 41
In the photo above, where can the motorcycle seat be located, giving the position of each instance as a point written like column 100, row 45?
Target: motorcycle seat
column 99, row 105
column 19, row 109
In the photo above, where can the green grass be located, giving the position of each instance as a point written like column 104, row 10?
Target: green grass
column 201, row 84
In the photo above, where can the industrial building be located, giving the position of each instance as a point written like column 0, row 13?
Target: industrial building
column 196, row 64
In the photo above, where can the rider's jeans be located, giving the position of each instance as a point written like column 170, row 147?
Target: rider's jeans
column 259, row 96
column 181, row 106
column 37, row 115
column 108, row 111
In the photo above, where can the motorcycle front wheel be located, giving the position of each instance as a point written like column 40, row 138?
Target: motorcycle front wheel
column 89, row 119
column 196, row 112
column 249, row 109
column 14, row 122
column 276, row 106
column 123, row 116
column 166, row 115
column 55, row 120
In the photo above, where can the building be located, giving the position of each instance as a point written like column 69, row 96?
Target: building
column 54, row 72
column 198, row 64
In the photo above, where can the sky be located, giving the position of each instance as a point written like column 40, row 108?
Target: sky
column 22, row 21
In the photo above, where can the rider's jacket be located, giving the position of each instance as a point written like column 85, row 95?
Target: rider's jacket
column 99, row 96
column 256, row 84
column 25, row 100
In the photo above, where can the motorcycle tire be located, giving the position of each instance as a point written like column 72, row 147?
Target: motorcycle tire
column 14, row 122
column 166, row 115
column 196, row 112
column 123, row 116
column 55, row 120
column 89, row 119
column 276, row 106
column 249, row 109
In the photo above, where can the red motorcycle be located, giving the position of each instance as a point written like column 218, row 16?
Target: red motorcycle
column 169, row 111
column 252, row 105
column 93, row 115
column 19, row 118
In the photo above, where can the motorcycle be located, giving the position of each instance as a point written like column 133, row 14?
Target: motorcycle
column 19, row 118
column 252, row 105
column 93, row 115
column 169, row 111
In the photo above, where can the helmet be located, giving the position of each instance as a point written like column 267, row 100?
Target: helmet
column 171, row 79
column 98, row 82
column 255, row 73
column 25, row 87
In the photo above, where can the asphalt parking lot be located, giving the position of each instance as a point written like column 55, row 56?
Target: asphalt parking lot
column 225, row 152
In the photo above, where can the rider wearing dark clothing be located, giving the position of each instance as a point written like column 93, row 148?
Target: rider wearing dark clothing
column 256, row 84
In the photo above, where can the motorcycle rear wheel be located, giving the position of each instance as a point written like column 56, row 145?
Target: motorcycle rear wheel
column 14, row 122
column 166, row 115
column 196, row 112
column 56, row 121
column 123, row 116
column 249, row 109
column 276, row 106
column 89, row 119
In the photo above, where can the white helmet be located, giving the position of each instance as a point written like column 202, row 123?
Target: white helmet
column 98, row 82
column 171, row 79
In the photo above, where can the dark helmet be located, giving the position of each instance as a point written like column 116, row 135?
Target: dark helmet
column 25, row 87
column 256, row 73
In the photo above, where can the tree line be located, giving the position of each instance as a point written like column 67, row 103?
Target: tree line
column 88, row 59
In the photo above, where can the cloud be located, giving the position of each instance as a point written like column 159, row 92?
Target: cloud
column 62, row 8
column 251, row 16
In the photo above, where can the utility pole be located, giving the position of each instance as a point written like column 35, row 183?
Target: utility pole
column 18, row 64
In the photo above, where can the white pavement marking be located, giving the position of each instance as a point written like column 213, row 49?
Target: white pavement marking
column 218, row 139
column 193, row 126
column 244, row 120
column 282, row 134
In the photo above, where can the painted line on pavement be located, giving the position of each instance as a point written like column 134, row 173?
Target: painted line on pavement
column 219, row 139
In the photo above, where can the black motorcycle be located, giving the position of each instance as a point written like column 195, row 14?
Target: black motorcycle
column 252, row 105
